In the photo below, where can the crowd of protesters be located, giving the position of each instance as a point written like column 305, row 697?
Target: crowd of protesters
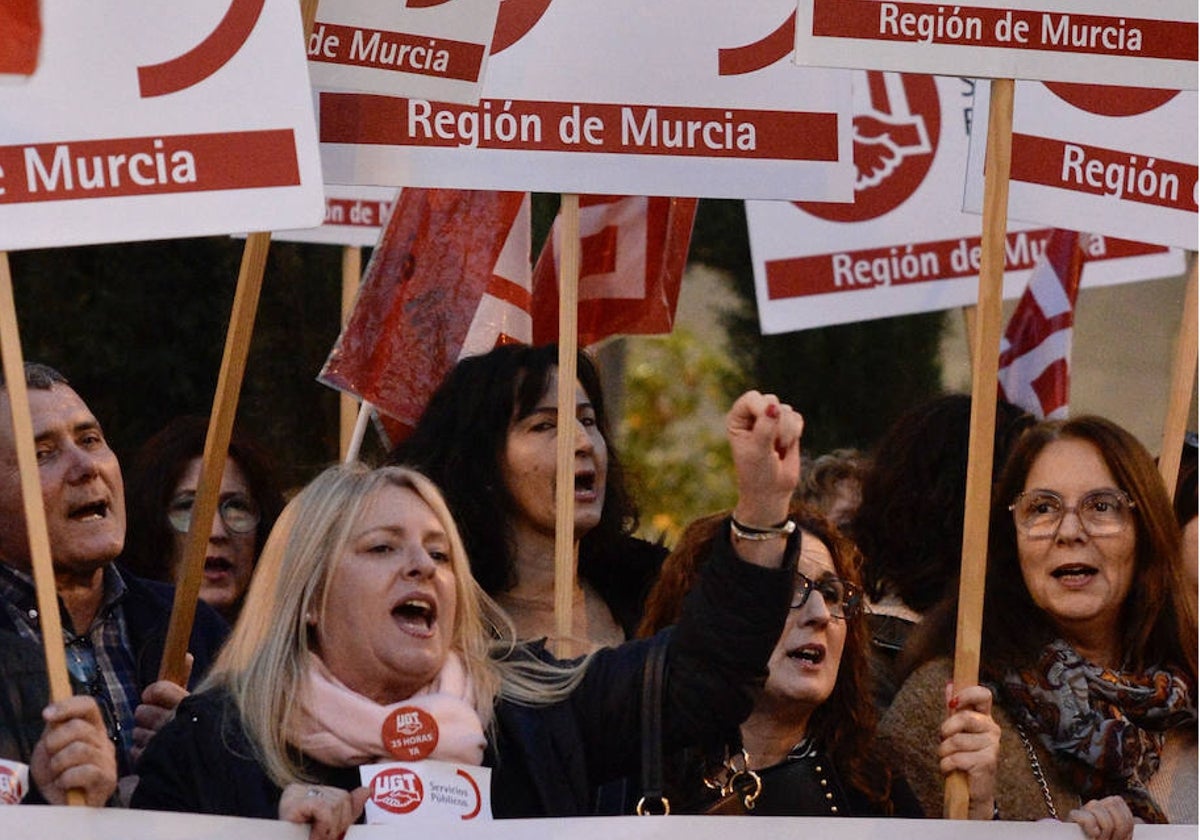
column 789, row 657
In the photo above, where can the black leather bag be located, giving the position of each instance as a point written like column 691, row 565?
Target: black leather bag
column 739, row 786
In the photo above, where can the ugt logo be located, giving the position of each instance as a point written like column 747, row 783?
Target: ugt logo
column 398, row 790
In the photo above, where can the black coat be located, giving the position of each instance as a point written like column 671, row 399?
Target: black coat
column 25, row 689
column 546, row 760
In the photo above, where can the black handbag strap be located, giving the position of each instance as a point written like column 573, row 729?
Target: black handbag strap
column 653, row 676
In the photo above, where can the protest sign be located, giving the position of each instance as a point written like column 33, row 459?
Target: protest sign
column 904, row 245
column 353, row 217
column 605, row 98
column 24, row 823
column 430, row 50
column 1113, row 160
column 149, row 121
column 1107, row 41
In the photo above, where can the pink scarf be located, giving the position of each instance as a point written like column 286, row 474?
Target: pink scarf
column 341, row 728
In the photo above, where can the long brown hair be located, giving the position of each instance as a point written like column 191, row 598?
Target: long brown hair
column 1158, row 626
column 845, row 723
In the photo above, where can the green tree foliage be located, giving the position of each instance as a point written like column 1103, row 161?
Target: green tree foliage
column 670, row 435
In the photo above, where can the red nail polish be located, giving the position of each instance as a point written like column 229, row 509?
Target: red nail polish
column 953, row 704
column 772, row 411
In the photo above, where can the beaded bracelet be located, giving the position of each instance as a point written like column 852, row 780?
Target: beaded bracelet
column 745, row 532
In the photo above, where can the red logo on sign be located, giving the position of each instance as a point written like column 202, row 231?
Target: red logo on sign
column 1108, row 101
column 896, row 135
column 11, row 790
column 398, row 790
column 410, row 733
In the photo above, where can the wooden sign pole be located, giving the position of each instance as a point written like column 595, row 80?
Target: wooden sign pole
column 985, row 371
column 220, row 430
column 568, row 331
column 1183, row 375
column 351, row 277
column 212, row 464
column 31, row 498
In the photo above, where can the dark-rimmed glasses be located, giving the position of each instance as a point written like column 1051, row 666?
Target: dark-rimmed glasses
column 1102, row 513
column 239, row 513
column 842, row 598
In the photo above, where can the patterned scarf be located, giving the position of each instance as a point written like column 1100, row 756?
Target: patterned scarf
column 1104, row 727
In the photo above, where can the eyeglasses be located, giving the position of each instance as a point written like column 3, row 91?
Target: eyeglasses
column 85, row 674
column 842, row 598
column 1102, row 513
column 239, row 513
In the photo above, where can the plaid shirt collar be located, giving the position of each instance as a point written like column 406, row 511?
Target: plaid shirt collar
column 18, row 593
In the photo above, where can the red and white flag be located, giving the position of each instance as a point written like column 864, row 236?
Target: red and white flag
column 1035, row 352
column 448, row 278
column 20, row 37
column 633, row 250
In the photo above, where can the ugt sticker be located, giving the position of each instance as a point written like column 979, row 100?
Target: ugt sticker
column 432, row 791
column 409, row 733
column 14, row 781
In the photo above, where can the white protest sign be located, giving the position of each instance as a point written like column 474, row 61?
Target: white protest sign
column 905, row 245
column 1106, row 41
column 694, row 99
column 1117, row 161
column 427, row 792
column 14, row 781
column 28, row 823
column 430, row 49
column 353, row 216
column 147, row 120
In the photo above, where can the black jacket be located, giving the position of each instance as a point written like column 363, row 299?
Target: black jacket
column 546, row 760
column 24, row 687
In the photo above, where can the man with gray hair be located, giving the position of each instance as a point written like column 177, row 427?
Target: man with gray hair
column 114, row 625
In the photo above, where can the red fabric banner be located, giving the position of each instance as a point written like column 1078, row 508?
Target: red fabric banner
column 445, row 280
column 1035, row 352
column 633, row 251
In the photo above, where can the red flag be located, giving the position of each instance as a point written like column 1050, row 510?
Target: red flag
column 20, row 36
column 633, row 250
column 1035, row 353
column 449, row 277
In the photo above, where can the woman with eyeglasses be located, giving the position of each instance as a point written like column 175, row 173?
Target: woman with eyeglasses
column 161, row 491
column 1089, row 641
column 808, row 740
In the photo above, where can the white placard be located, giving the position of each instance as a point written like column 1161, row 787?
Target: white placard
column 14, row 781
column 677, row 98
column 1100, row 41
column 905, row 245
column 429, row 50
column 30, row 823
column 353, row 216
column 427, row 792
column 1117, row 161
column 147, row 120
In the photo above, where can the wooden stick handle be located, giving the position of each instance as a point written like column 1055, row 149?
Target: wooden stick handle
column 985, row 372
column 1183, row 375
column 216, row 448
column 348, row 406
column 568, row 331
column 31, row 499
